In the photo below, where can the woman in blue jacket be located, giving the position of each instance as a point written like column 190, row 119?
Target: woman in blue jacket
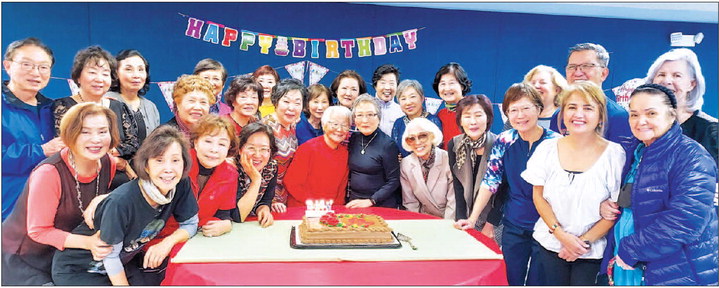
column 668, row 226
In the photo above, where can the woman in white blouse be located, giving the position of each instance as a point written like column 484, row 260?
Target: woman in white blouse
column 571, row 177
column 425, row 174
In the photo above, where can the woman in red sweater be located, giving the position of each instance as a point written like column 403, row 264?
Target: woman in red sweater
column 451, row 84
column 319, row 170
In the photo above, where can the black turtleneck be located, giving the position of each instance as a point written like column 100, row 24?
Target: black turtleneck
column 374, row 174
column 203, row 176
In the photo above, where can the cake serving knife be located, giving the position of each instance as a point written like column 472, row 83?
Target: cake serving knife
column 405, row 238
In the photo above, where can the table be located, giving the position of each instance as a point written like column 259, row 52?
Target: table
column 445, row 272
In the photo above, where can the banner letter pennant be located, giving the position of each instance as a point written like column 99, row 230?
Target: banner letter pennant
column 316, row 72
column 297, row 70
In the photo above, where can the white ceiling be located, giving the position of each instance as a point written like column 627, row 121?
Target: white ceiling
column 659, row 11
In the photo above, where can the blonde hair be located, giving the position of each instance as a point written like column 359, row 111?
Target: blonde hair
column 71, row 123
column 189, row 83
column 557, row 79
column 589, row 92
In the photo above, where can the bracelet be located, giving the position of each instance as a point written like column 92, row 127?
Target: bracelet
column 554, row 227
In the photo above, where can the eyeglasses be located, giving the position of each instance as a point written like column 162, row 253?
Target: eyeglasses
column 422, row 136
column 29, row 66
column 525, row 110
column 260, row 150
column 365, row 116
column 338, row 126
column 582, row 67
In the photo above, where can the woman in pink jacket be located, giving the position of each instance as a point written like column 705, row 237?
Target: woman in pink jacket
column 425, row 174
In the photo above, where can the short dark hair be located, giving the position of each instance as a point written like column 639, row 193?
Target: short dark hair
column 127, row 53
column 257, row 127
column 156, row 144
column 210, row 64
column 384, row 69
column 314, row 91
column 285, row 86
column 348, row 74
column 30, row 41
column 241, row 84
column 458, row 73
column 92, row 55
column 670, row 99
column 518, row 91
column 469, row 101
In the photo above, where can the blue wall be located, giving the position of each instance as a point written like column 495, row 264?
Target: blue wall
column 495, row 48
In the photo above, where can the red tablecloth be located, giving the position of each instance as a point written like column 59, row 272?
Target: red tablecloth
column 449, row 272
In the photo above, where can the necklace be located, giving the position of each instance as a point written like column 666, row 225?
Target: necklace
column 77, row 182
column 365, row 146
column 80, row 96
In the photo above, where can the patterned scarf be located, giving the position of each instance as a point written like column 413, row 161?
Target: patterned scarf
column 472, row 145
column 427, row 164
column 267, row 173
column 451, row 107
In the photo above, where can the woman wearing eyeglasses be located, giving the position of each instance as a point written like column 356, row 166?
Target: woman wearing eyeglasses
column 319, row 170
column 425, row 174
column 410, row 96
column 373, row 163
column 258, row 174
column 510, row 153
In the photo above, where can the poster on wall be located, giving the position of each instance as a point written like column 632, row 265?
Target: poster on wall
column 622, row 92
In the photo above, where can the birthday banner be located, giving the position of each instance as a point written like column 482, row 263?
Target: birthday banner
column 300, row 47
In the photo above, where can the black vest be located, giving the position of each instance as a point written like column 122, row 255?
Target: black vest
column 15, row 240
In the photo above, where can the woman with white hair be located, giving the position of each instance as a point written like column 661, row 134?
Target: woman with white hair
column 319, row 170
column 425, row 174
column 679, row 70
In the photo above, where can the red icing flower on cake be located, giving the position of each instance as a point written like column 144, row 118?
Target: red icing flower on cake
column 329, row 219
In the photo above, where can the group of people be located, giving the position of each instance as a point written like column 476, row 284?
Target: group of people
column 96, row 191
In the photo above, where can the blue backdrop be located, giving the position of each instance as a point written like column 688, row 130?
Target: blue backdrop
column 495, row 48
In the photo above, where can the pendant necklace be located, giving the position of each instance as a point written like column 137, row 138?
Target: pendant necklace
column 77, row 182
column 365, row 146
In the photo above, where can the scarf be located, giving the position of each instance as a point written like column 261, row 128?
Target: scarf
column 451, row 107
column 472, row 145
column 423, row 115
column 427, row 164
column 154, row 194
